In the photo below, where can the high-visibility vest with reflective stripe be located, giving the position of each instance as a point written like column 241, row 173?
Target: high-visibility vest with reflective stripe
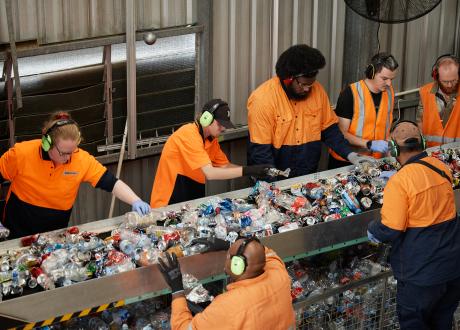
column 365, row 123
column 432, row 128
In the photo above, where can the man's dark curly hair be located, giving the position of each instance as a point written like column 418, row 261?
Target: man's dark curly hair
column 299, row 60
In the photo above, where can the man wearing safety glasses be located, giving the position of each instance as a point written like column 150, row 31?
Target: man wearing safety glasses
column 290, row 115
column 438, row 113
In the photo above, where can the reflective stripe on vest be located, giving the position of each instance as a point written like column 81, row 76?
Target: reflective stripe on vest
column 359, row 130
column 366, row 123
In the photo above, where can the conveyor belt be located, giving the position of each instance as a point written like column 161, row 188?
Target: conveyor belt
column 147, row 282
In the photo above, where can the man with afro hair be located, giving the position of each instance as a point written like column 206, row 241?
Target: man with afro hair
column 290, row 115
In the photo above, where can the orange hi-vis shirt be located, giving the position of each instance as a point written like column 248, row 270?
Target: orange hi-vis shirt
column 263, row 302
column 275, row 119
column 432, row 127
column 38, row 182
column 179, row 176
column 366, row 122
column 41, row 194
column 289, row 133
column 419, row 219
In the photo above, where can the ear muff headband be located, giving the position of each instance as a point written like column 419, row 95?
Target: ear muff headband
column 47, row 141
column 374, row 66
column 394, row 148
column 238, row 262
column 207, row 117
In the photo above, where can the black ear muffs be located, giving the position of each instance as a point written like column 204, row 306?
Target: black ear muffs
column 370, row 71
column 395, row 149
column 47, row 141
column 439, row 60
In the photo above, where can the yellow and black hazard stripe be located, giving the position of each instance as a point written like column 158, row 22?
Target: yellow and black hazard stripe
column 66, row 317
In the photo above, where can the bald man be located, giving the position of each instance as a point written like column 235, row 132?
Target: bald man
column 438, row 113
column 258, row 297
column 419, row 220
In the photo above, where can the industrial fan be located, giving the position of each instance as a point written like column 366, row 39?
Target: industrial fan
column 392, row 11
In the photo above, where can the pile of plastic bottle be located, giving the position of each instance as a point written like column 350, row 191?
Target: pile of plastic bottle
column 315, row 275
column 60, row 259
column 355, row 307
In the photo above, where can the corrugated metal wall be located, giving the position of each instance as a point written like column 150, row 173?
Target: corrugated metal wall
column 248, row 37
column 49, row 21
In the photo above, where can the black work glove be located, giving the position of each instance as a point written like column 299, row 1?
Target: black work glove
column 171, row 272
column 256, row 170
column 212, row 243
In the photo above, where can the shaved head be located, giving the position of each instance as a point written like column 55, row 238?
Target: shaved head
column 254, row 252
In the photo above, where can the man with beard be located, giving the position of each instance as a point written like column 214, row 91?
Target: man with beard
column 290, row 114
column 438, row 113
column 365, row 110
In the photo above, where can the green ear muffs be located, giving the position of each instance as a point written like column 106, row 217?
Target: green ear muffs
column 46, row 142
column 206, row 119
column 238, row 265
column 393, row 148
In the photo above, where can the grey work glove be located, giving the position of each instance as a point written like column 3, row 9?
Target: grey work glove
column 357, row 159
column 170, row 269
column 212, row 243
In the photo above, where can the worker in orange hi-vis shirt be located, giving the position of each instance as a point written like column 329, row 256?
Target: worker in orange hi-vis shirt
column 46, row 174
column 258, row 297
column 193, row 155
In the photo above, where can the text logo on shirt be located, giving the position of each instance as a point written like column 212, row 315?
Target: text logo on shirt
column 68, row 173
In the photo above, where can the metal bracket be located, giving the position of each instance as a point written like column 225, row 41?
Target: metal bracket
column 107, row 60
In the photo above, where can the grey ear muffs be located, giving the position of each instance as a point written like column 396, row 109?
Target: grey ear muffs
column 395, row 149
column 47, row 141
column 207, row 117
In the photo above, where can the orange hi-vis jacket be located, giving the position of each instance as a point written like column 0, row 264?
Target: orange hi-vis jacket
column 366, row 123
column 263, row 302
column 432, row 128
column 179, row 176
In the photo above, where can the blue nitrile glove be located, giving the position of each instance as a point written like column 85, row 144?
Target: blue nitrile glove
column 141, row 207
column 387, row 174
column 372, row 238
column 379, row 146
